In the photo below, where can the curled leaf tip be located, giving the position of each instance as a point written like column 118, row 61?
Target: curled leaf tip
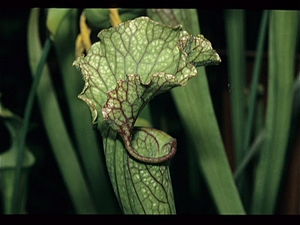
column 150, row 145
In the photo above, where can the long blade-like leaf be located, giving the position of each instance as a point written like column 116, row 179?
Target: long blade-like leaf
column 85, row 137
column 27, row 115
column 59, row 139
column 196, row 111
column 282, row 43
column 234, row 24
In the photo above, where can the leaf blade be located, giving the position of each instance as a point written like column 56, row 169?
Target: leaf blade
column 93, row 162
column 55, row 127
column 211, row 157
column 283, row 29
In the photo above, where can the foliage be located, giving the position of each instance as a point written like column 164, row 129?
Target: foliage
column 138, row 61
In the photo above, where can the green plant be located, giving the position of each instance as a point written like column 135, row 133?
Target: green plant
column 13, row 167
column 131, row 64
column 283, row 28
column 118, row 85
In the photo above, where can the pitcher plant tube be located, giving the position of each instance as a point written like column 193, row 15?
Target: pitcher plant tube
column 131, row 64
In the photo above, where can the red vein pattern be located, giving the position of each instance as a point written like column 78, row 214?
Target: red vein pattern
column 132, row 63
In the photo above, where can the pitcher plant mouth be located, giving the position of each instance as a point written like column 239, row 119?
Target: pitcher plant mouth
column 131, row 64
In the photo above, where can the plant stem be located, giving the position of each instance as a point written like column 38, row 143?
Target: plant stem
column 256, row 75
column 253, row 96
column 249, row 155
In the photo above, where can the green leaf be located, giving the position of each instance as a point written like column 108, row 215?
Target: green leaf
column 242, row 122
column 235, row 38
column 132, row 63
column 173, row 17
column 196, row 111
column 255, row 90
column 99, row 19
column 14, row 124
column 85, row 138
column 8, row 164
column 142, row 58
column 283, row 29
column 54, row 19
column 61, row 144
column 123, row 107
column 140, row 188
